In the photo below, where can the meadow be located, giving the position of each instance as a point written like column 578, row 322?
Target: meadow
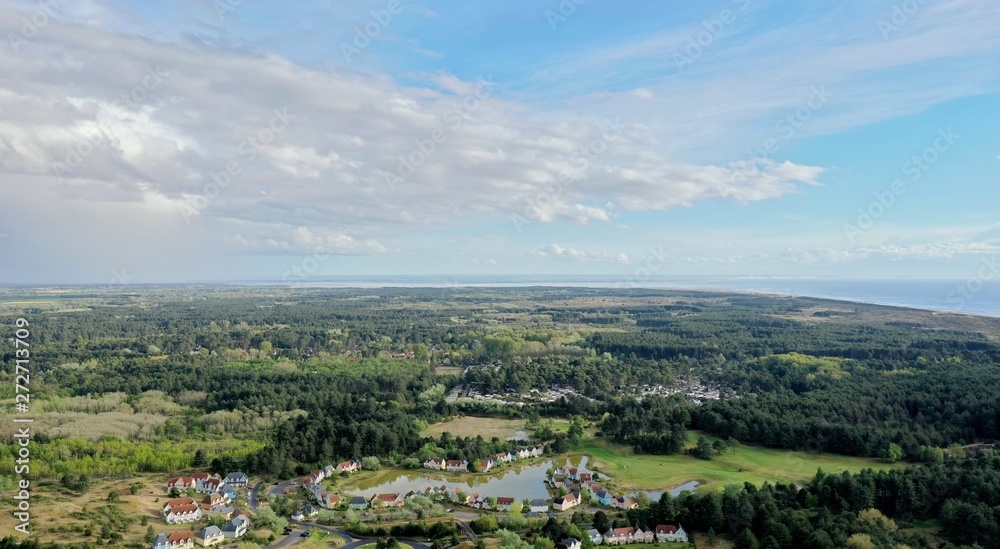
column 746, row 463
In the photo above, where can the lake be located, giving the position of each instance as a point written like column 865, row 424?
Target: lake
column 689, row 486
column 506, row 481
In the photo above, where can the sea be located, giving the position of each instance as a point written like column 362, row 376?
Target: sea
column 975, row 296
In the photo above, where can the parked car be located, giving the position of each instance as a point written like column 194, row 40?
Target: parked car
column 305, row 534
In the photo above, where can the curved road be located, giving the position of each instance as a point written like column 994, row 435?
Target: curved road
column 252, row 498
column 353, row 542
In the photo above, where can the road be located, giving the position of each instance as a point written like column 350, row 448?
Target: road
column 468, row 531
column 252, row 498
column 353, row 542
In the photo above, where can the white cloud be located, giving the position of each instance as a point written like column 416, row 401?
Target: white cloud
column 328, row 165
column 560, row 253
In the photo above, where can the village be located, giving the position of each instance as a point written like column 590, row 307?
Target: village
column 695, row 390
column 209, row 497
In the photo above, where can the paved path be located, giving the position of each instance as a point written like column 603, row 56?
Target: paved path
column 468, row 531
column 353, row 542
column 254, row 492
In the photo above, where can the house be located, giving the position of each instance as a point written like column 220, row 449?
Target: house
column 357, row 503
column 538, row 506
column 161, row 542
column 318, row 475
column 328, row 500
column 569, row 543
column 566, row 502
column 503, row 504
column 351, row 466
column 237, row 479
column 436, row 464
column 486, row 465
column 299, row 515
column 329, row 471
column 455, row 466
column 586, row 477
column 523, row 453
column 595, row 537
column 176, row 540
column 181, row 483
column 643, row 536
column 619, row 536
column 624, row 502
column 309, row 511
column 205, row 483
column 209, row 536
column 604, row 497
column 669, row 532
column 387, row 500
column 536, row 451
column 213, row 500
column 574, row 473
column 224, row 511
column 236, row 527
column 184, row 513
column 176, row 502
column 506, row 457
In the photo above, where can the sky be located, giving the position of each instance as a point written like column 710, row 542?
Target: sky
column 237, row 140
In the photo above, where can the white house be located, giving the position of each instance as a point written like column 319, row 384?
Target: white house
column 669, row 532
column 538, row 506
column 237, row 479
column 236, row 527
column 184, row 513
column 435, row 463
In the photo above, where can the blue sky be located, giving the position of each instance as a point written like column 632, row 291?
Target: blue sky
column 735, row 137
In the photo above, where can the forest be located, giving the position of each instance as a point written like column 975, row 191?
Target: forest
column 278, row 381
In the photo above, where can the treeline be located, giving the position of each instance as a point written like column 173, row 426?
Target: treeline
column 868, row 509
column 654, row 425
column 859, row 411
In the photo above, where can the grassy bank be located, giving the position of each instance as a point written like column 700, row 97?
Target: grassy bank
column 747, row 464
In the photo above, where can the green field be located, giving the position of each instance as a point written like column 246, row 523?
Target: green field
column 488, row 427
column 748, row 464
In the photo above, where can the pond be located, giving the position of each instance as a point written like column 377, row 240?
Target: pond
column 690, row 486
column 506, row 481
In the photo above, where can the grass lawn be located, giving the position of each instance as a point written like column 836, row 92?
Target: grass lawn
column 471, row 426
column 488, row 427
column 748, row 464
column 319, row 539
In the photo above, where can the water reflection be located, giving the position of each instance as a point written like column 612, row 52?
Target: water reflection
column 506, row 481
column 689, row 486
